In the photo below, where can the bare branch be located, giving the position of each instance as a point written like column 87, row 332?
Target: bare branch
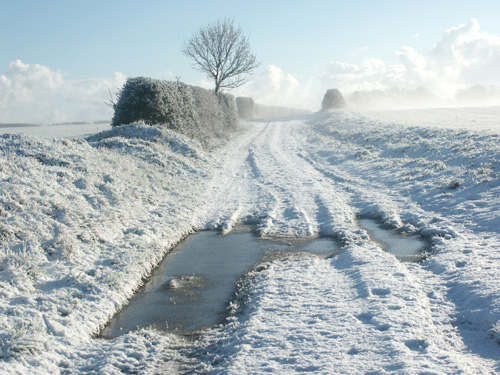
column 223, row 53
column 111, row 98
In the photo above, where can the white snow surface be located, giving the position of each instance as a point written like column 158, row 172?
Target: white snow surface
column 82, row 222
column 59, row 131
column 479, row 118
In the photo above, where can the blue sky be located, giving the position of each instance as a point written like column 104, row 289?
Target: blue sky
column 86, row 39
column 82, row 40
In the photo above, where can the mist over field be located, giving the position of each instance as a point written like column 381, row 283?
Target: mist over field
column 457, row 71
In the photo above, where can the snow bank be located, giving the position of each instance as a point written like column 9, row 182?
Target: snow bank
column 190, row 110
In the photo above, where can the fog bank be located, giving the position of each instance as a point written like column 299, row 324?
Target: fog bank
column 461, row 69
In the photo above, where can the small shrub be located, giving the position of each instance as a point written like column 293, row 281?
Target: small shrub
column 333, row 99
column 154, row 102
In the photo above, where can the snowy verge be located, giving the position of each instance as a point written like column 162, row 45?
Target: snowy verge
column 82, row 222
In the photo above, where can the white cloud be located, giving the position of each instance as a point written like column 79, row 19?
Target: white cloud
column 372, row 74
column 463, row 57
column 274, row 86
column 35, row 93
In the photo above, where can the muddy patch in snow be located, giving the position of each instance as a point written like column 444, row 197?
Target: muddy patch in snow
column 192, row 287
column 406, row 247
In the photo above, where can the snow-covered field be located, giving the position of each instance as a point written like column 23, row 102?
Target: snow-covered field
column 62, row 130
column 82, row 222
column 480, row 118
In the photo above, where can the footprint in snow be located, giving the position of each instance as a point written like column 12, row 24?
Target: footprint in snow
column 417, row 345
column 381, row 292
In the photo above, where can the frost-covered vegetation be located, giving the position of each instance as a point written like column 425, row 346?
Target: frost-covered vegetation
column 223, row 53
column 190, row 110
column 81, row 223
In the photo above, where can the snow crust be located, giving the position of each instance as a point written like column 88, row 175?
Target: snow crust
column 83, row 221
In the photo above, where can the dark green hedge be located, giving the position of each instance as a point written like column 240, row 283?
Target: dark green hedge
column 190, row 110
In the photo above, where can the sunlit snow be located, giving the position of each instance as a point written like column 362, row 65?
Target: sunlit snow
column 82, row 222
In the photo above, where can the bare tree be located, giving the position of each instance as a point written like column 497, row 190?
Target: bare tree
column 223, row 53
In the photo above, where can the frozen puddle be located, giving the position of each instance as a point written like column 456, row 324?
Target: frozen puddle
column 190, row 289
column 405, row 247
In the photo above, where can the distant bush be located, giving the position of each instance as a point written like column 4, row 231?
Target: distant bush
column 333, row 99
column 190, row 110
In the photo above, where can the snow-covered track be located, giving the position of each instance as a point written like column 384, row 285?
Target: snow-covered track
column 363, row 310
